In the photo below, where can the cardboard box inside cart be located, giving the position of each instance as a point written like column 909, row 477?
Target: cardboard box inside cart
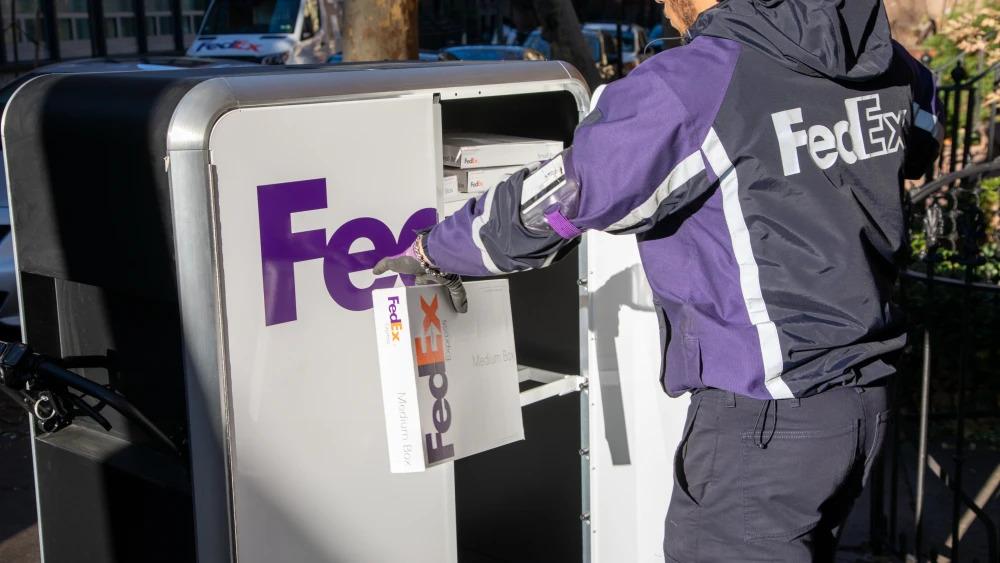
column 449, row 379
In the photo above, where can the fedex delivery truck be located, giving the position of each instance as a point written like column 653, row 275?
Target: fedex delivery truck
column 270, row 31
column 209, row 262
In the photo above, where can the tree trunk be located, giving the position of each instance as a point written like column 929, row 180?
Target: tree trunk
column 561, row 28
column 379, row 30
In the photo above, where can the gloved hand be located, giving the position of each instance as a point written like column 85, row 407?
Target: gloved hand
column 414, row 262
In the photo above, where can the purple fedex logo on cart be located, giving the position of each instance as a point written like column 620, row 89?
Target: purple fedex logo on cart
column 280, row 248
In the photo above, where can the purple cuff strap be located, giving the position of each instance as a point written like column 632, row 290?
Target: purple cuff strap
column 561, row 225
column 410, row 252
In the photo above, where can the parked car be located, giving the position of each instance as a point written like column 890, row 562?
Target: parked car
column 634, row 40
column 423, row 56
column 490, row 53
column 597, row 41
column 9, row 311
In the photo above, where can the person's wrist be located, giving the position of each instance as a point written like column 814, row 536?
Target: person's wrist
column 420, row 249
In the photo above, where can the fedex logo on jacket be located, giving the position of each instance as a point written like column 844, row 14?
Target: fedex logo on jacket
column 281, row 249
column 867, row 132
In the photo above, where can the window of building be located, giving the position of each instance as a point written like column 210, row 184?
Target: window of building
column 127, row 26
column 81, row 27
column 65, row 29
column 166, row 25
column 24, row 33
column 110, row 28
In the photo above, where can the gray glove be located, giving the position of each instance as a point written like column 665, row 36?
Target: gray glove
column 414, row 262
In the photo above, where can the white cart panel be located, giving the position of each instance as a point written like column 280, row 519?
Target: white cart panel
column 310, row 465
column 634, row 425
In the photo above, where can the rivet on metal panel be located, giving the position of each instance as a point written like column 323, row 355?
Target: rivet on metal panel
column 584, row 452
column 582, row 282
column 585, row 517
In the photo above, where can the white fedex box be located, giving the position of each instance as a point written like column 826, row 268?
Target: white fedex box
column 449, row 379
column 481, row 150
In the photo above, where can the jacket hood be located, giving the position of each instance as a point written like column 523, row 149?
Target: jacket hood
column 839, row 39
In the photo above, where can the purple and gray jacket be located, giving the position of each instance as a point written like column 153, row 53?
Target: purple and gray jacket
column 760, row 167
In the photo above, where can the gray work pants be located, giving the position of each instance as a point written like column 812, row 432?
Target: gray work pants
column 774, row 480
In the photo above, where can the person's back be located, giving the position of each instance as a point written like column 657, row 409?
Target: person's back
column 811, row 148
column 760, row 167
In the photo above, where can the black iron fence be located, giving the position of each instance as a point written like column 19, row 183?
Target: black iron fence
column 949, row 386
column 965, row 119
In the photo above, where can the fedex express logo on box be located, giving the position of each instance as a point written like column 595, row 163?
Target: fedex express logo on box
column 395, row 323
column 429, row 348
column 280, row 248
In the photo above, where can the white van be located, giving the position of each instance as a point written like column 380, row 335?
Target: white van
column 270, row 31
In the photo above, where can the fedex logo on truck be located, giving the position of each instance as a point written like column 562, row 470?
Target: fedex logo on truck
column 237, row 45
column 429, row 348
column 281, row 249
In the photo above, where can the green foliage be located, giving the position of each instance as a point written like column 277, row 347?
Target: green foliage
column 970, row 34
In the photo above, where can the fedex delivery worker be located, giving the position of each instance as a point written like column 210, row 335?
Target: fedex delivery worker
column 760, row 167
